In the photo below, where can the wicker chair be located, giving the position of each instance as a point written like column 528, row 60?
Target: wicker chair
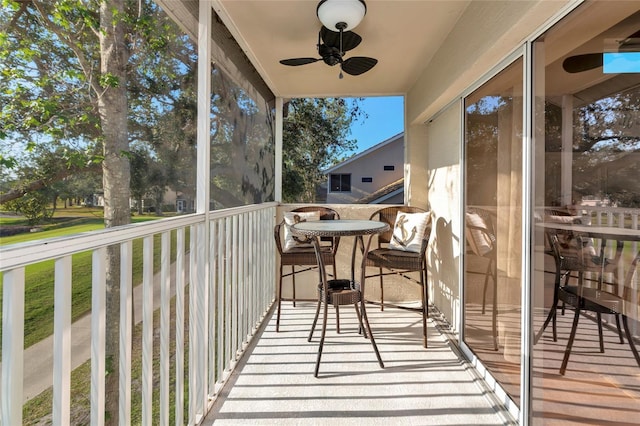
column 390, row 261
column 303, row 256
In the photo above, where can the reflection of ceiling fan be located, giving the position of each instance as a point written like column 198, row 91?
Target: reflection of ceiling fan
column 332, row 47
column 589, row 61
column 335, row 37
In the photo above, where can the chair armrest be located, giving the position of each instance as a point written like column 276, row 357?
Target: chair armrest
column 485, row 231
column 277, row 237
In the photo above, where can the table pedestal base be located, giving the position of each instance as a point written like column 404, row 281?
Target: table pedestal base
column 341, row 292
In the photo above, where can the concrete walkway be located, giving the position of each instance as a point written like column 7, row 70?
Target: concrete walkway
column 274, row 383
column 38, row 358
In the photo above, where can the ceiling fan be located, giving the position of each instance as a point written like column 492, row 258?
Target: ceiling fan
column 332, row 47
column 588, row 61
column 343, row 15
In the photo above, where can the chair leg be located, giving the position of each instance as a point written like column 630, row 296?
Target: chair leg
column 486, row 284
column 335, row 275
column 630, row 339
column 551, row 317
column 620, row 335
column 381, row 292
column 293, row 283
column 324, row 332
column 566, row 282
column 567, row 351
column 494, row 314
column 369, row 333
column 361, row 329
column 554, row 325
column 600, row 336
column 425, row 305
column 315, row 319
column 279, row 296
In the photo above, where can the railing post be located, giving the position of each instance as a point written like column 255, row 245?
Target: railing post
column 12, row 346
column 126, row 330
column 62, row 342
column 98, row 335
column 147, row 330
column 180, row 284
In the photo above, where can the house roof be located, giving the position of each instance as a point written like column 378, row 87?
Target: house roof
column 399, row 136
column 383, row 193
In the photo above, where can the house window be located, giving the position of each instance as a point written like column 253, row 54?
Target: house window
column 389, row 168
column 340, row 183
column 367, row 179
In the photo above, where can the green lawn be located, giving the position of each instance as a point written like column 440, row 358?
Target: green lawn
column 39, row 309
column 39, row 278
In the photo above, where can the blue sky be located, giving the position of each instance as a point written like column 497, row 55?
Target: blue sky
column 386, row 119
column 622, row 62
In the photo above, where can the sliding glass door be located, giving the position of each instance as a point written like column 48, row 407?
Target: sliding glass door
column 493, row 231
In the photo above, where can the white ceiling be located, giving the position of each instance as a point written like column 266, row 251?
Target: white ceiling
column 403, row 35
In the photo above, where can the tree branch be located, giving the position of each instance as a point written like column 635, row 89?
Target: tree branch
column 42, row 183
column 82, row 60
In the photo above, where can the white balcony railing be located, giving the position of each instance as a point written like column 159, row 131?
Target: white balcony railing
column 612, row 216
column 223, row 271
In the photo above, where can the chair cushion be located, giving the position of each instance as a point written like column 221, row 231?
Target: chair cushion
column 291, row 218
column 394, row 259
column 408, row 231
column 479, row 241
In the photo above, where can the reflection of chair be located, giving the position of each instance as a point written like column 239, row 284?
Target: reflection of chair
column 482, row 241
column 574, row 254
column 582, row 298
column 295, row 252
column 600, row 302
column 397, row 256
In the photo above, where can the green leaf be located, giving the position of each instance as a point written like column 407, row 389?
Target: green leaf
column 109, row 80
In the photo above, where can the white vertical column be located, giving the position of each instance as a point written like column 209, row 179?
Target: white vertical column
column 566, row 157
column 528, row 205
column 199, row 284
column 204, row 108
column 278, row 134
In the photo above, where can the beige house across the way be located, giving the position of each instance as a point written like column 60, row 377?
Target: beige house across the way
column 374, row 176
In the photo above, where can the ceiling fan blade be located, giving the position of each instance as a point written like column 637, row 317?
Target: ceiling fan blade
column 350, row 40
column 580, row 63
column 294, row 62
column 358, row 65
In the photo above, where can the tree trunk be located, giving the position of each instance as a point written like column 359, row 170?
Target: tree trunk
column 112, row 107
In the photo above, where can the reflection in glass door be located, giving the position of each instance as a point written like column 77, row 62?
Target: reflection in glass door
column 586, row 174
column 493, row 231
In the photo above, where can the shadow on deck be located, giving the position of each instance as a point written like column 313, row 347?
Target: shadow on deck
column 274, row 383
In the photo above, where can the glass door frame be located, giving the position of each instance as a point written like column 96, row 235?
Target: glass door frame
column 481, row 370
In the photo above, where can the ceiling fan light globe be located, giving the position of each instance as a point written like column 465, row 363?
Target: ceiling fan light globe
column 338, row 15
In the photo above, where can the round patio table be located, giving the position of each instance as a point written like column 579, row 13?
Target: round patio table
column 335, row 291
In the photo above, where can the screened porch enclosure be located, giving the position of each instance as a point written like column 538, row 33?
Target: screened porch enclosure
column 502, row 140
